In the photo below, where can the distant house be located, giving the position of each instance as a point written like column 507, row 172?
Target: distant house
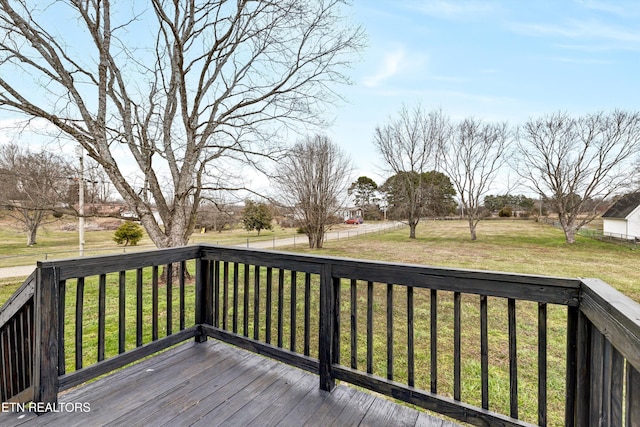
column 622, row 220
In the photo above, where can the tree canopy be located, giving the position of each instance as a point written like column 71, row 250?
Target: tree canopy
column 174, row 99
column 434, row 198
column 516, row 202
column 256, row 216
column 364, row 191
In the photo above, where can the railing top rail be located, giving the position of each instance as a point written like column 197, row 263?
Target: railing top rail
column 103, row 264
column 18, row 299
column 556, row 290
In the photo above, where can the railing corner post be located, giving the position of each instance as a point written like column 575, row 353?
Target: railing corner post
column 45, row 367
column 204, row 296
column 326, row 330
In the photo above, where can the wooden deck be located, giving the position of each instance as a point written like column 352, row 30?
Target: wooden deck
column 217, row 384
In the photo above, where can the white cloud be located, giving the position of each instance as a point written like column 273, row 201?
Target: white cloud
column 391, row 64
column 397, row 62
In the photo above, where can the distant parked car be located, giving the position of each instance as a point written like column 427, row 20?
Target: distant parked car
column 352, row 221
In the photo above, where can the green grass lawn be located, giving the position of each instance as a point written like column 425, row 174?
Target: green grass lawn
column 503, row 245
column 55, row 243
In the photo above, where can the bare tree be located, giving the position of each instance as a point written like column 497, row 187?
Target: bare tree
column 33, row 185
column 573, row 161
column 409, row 146
column 189, row 90
column 472, row 157
column 313, row 179
column 98, row 191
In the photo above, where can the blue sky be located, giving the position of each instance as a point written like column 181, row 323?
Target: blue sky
column 494, row 60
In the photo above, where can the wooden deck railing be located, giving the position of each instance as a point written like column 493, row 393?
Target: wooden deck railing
column 481, row 347
column 16, row 344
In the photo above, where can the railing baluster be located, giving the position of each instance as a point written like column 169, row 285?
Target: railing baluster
column 571, row 366
column 280, row 306
column 513, row 359
column 597, row 374
column 389, row 331
column 354, row 324
column 5, row 371
column 484, row 352
column 215, row 271
column 225, row 294
column 169, row 290
column 79, row 312
column 236, row 302
column 269, row 302
column 583, row 372
column 62, row 301
column 15, row 375
column 256, row 302
column 102, row 290
column 183, row 272
column 456, row 345
column 122, row 327
column 615, row 386
column 632, row 402
column 369, row 327
column 434, row 340
column 139, row 305
column 410, row 346
column 154, row 303
column 292, row 310
column 542, row 364
column 25, row 332
column 337, row 285
column 245, row 301
column 605, row 414
column 307, row 314
column 20, row 331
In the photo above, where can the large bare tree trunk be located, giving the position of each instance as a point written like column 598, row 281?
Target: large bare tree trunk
column 472, row 229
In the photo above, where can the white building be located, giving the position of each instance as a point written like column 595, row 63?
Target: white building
column 622, row 220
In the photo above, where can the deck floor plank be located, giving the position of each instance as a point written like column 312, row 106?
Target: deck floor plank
column 180, row 401
column 213, row 384
column 213, row 408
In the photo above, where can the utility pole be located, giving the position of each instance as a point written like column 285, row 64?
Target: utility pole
column 80, row 154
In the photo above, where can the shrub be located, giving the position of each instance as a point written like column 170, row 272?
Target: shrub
column 128, row 233
column 505, row 212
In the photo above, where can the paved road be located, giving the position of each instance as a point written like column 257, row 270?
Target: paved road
column 354, row 231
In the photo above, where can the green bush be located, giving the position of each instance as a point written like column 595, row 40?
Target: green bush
column 128, row 233
column 505, row 212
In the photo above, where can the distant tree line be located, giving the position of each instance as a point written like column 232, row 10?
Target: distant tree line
column 574, row 164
